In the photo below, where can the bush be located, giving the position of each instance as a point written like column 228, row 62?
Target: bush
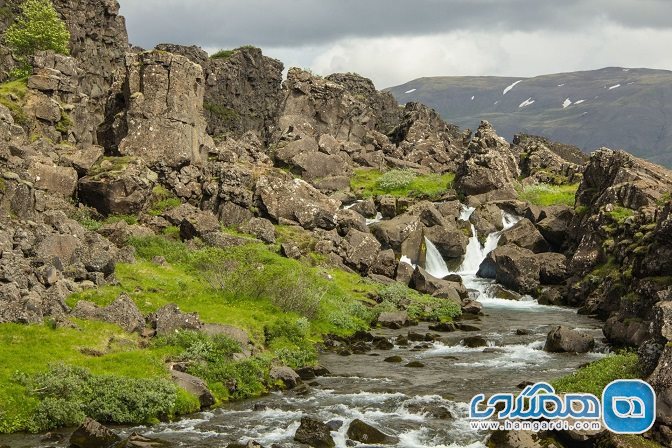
column 37, row 28
column 199, row 347
column 67, row 394
column 235, row 380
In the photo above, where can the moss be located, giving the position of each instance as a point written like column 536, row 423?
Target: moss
column 162, row 200
column 620, row 214
column 12, row 96
column 110, row 165
column 221, row 112
column 64, row 125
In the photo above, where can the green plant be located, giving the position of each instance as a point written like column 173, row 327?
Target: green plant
column 37, row 28
column 595, row 376
column 223, row 113
column 395, row 180
column 67, row 394
column 12, row 96
column 64, row 125
column 222, row 54
column 400, row 183
column 162, row 200
column 545, row 195
column 620, row 214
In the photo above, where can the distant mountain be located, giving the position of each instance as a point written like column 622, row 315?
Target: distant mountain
column 619, row 108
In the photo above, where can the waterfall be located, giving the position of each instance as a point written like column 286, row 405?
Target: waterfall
column 435, row 265
column 476, row 253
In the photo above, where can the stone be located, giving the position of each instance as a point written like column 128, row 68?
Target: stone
column 415, row 365
column 385, row 264
column 91, row 434
column 117, row 187
column 563, row 339
column 194, row 386
column 261, row 228
column 524, row 234
column 394, row 320
column 475, row 341
column 169, row 319
column 285, row 375
column 393, row 359
column 360, row 431
column 361, row 250
column 164, row 119
column 59, row 180
column 366, row 208
column 472, row 307
column 314, row 433
column 123, row 312
column 136, row 440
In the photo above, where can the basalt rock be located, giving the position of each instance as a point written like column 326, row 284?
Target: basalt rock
column 165, row 122
column 123, row 312
column 524, row 234
column 490, row 167
column 314, row 433
column 363, row 432
column 562, row 339
column 91, row 434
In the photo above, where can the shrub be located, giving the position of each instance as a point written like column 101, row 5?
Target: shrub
column 235, row 380
column 67, row 394
column 37, row 28
column 223, row 54
column 199, row 347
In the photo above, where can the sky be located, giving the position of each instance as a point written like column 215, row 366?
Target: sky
column 395, row 41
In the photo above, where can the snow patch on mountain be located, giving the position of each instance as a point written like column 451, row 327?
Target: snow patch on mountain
column 508, row 89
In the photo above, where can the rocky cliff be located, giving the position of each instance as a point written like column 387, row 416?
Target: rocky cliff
column 145, row 143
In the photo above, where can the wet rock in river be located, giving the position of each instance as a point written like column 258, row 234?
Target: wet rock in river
column 393, row 359
column 285, row 375
column 466, row 327
column 92, row 434
column 475, row 342
column 136, row 440
column 445, row 327
column 381, row 343
column 415, row 365
column 365, row 433
column 563, row 339
column 471, row 307
column 314, row 433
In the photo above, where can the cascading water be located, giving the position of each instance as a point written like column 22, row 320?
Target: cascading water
column 435, row 265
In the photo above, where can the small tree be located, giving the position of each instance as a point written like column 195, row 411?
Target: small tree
column 37, row 28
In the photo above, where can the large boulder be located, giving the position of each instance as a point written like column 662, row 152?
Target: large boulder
column 91, row 434
column 123, row 312
column 490, row 166
column 314, row 433
column 554, row 223
column 362, row 432
column 58, row 180
column 165, row 119
column 524, row 234
column 284, row 198
column 194, row 386
column 522, row 270
column 562, row 339
column 361, row 250
column 117, row 186
column 169, row 319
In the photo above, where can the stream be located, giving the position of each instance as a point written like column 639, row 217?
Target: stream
column 397, row 399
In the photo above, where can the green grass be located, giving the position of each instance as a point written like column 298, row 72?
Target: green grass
column 17, row 88
column 162, row 201
column 30, row 349
column 286, row 307
column 596, row 376
column 368, row 183
column 223, row 54
column 544, row 195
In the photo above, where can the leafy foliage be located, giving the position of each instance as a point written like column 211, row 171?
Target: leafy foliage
column 37, row 28
column 68, row 394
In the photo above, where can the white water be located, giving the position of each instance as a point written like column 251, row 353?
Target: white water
column 435, row 265
column 476, row 253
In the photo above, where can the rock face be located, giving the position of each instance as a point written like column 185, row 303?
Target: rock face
column 522, row 270
column 549, row 162
column 490, row 167
column 562, row 339
column 164, row 122
column 242, row 90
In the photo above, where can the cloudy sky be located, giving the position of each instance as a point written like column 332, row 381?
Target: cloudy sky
column 394, row 41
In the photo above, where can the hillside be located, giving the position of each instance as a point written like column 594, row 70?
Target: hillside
column 615, row 107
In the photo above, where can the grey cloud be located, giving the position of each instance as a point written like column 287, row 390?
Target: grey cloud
column 292, row 23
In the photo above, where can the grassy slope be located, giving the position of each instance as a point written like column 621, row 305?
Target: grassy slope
column 544, row 195
column 285, row 305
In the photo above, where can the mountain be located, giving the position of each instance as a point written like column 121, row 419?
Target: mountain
column 615, row 107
